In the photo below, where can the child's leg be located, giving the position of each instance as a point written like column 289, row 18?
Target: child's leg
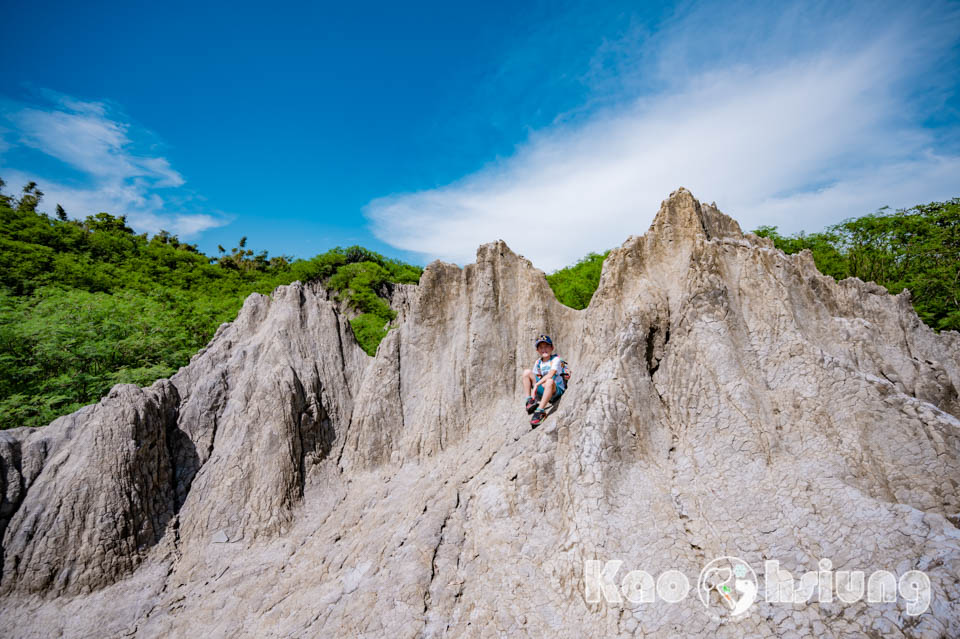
column 548, row 387
column 528, row 382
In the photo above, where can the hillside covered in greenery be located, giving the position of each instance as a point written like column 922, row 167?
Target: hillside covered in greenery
column 88, row 304
column 916, row 248
column 574, row 285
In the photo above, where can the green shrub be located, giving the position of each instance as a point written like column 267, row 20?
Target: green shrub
column 574, row 285
column 369, row 329
column 916, row 248
column 88, row 304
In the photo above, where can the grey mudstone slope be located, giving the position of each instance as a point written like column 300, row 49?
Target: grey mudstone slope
column 727, row 400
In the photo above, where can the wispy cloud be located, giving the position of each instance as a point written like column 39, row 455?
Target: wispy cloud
column 91, row 139
column 797, row 119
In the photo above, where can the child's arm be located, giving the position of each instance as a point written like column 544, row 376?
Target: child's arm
column 543, row 379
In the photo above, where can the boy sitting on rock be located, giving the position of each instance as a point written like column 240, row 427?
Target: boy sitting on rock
column 544, row 380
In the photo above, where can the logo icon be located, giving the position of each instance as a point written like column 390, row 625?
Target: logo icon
column 729, row 582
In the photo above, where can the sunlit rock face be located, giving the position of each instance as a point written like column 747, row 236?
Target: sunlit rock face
column 727, row 400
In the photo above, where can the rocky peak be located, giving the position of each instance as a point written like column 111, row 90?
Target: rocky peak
column 681, row 215
column 727, row 399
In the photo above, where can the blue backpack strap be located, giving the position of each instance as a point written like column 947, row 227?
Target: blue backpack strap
column 559, row 375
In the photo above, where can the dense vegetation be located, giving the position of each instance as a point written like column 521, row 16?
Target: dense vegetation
column 916, row 248
column 88, row 304
column 574, row 285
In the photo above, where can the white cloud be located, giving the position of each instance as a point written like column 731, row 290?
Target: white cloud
column 117, row 179
column 144, row 211
column 798, row 140
column 928, row 178
column 188, row 225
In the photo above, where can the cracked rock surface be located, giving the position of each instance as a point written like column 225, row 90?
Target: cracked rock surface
column 727, row 399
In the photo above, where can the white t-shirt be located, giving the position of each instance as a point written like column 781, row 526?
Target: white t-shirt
column 541, row 368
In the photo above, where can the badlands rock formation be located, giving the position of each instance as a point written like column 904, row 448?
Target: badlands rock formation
column 727, row 399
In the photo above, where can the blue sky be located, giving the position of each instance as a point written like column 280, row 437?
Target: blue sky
column 423, row 130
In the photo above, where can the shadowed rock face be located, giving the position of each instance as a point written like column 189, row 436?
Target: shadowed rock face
column 727, row 400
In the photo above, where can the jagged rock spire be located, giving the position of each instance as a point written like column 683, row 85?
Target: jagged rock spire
column 727, row 399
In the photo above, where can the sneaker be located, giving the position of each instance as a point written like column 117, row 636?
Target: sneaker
column 531, row 405
column 538, row 416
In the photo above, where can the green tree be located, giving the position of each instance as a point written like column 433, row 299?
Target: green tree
column 825, row 247
column 31, row 197
column 574, row 285
column 5, row 200
column 916, row 248
column 86, row 304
